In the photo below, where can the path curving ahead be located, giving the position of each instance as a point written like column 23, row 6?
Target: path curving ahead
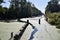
column 42, row 31
column 45, row 30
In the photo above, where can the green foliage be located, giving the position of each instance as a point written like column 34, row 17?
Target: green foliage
column 1, row 9
column 54, row 18
column 52, row 13
column 19, row 10
column 1, row 1
column 58, row 26
column 53, row 6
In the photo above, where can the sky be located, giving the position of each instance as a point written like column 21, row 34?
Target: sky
column 40, row 4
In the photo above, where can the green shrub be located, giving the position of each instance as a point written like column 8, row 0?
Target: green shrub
column 58, row 26
column 53, row 19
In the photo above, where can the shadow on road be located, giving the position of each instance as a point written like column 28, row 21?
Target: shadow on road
column 32, row 34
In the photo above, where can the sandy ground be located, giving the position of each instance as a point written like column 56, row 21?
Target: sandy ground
column 42, row 31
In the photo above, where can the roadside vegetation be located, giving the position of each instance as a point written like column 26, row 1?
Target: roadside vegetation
column 18, row 10
column 53, row 19
column 52, row 13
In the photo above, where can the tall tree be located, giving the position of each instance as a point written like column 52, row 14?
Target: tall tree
column 1, row 1
column 52, row 6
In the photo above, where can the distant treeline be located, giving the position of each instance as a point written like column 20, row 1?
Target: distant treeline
column 53, row 6
column 25, row 10
column 52, row 13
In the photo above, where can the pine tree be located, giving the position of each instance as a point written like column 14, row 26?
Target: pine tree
column 52, row 6
column 1, row 1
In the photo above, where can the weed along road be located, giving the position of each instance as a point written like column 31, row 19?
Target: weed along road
column 42, row 30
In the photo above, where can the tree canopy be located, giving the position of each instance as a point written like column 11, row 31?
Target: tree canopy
column 1, row 1
column 53, row 6
column 19, row 10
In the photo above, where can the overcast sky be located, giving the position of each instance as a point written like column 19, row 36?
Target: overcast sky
column 40, row 4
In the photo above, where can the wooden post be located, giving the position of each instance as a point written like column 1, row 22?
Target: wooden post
column 28, row 21
column 18, row 37
column 39, row 21
column 0, row 38
column 11, row 34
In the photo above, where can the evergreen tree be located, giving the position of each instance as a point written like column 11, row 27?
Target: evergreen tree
column 52, row 6
column 1, row 1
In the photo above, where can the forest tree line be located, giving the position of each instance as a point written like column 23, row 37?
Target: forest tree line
column 52, row 13
column 53, row 6
column 25, row 10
